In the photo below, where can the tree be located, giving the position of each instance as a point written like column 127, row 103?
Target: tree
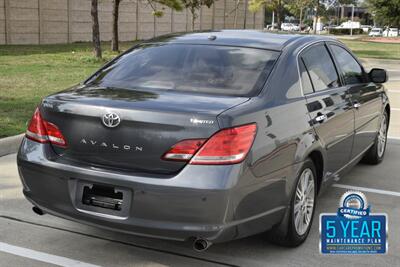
column 235, row 11
column 115, row 15
column 275, row 5
column 173, row 4
column 386, row 11
column 194, row 5
column 95, row 29
column 296, row 7
column 316, row 7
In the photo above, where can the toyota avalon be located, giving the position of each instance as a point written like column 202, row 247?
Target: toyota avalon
column 207, row 136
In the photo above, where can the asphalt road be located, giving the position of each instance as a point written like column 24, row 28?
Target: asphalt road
column 27, row 239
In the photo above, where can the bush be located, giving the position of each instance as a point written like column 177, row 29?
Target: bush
column 345, row 31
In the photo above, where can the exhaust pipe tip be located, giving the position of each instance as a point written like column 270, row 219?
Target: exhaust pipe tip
column 201, row 245
column 38, row 211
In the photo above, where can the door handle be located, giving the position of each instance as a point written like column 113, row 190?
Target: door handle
column 356, row 105
column 321, row 118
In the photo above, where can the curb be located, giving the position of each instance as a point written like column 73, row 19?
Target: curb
column 10, row 144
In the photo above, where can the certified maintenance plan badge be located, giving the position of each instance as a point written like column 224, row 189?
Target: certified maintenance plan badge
column 353, row 229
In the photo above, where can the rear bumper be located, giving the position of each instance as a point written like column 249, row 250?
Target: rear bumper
column 213, row 203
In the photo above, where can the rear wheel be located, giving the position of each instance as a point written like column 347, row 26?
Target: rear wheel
column 301, row 209
column 376, row 153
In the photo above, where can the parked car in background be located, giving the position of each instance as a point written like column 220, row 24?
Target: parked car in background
column 206, row 137
column 390, row 32
column 295, row 27
column 349, row 25
column 270, row 27
column 305, row 28
column 286, row 26
column 366, row 28
column 289, row 27
column 375, row 32
column 328, row 27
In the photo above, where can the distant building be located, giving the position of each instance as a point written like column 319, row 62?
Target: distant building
column 360, row 13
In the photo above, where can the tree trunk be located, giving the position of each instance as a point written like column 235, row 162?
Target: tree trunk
column 279, row 14
column 193, row 11
column 95, row 29
column 245, row 14
column 398, row 28
column 301, row 17
column 316, row 17
column 115, row 38
column 236, row 14
column 278, row 19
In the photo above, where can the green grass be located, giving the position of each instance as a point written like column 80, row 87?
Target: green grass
column 30, row 72
column 373, row 50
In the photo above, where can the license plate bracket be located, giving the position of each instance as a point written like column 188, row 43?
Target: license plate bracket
column 100, row 199
column 102, row 196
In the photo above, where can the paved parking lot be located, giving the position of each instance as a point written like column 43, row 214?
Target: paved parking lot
column 27, row 239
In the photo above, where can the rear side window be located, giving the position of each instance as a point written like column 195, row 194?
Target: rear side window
column 305, row 79
column 350, row 69
column 190, row 68
column 320, row 67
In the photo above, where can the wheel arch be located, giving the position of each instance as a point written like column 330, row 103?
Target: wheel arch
column 387, row 109
column 318, row 160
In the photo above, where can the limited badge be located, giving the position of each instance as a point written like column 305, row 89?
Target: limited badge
column 353, row 229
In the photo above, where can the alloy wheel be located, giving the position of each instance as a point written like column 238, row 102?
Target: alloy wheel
column 304, row 201
column 382, row 136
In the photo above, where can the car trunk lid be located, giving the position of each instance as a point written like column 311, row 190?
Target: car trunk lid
column 150, row 123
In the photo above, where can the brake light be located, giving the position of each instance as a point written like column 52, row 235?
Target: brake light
column 42, row 131
column 184, row 150
column 228, row 146
column 36, row 130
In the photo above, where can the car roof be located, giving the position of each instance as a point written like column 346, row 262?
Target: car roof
column 244, row 38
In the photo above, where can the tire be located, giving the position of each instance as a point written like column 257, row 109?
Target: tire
column 376, row 153
column 295, row 235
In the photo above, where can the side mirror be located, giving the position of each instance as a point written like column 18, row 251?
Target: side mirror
column 378, row 75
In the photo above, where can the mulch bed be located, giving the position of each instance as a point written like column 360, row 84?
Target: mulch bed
column 389, row 40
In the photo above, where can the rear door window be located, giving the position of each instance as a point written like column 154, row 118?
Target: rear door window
column 190, row 68
column 320, row 67
column 305, row 79
column 350, row 69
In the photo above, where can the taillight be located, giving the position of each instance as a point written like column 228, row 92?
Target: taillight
column 228, row 146
column 36, row 130
column 184, row 150
column 42, row 131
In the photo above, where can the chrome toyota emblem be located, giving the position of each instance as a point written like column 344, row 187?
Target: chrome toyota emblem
column 111, row 120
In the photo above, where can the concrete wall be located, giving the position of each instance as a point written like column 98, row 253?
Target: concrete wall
column 64, row 21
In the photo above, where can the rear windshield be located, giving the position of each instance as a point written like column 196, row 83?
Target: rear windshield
column 190, row 68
